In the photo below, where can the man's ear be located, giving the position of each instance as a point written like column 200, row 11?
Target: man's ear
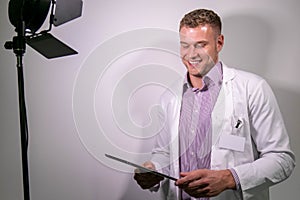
column 220, row 42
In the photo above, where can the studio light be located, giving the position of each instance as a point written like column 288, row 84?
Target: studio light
column 33, row 13
column 28, row 16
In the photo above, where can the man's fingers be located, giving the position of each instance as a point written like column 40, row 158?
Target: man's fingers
column 198, row 184
column 146, row 179
column 187, row 177
column 198, row 193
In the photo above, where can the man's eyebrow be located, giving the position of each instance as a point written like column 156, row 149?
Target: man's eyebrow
column 201, row 42
column 194, row 43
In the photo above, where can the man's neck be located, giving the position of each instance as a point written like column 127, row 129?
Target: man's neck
column 196, row 81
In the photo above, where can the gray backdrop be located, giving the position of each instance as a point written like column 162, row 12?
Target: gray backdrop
column 103, row 100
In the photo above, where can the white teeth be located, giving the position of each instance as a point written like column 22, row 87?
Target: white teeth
column 194, row 62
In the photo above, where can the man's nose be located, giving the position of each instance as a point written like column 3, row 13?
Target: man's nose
column 192, row 53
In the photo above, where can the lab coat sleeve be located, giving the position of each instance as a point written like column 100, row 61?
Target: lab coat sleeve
column 161, row 151
column 275, row 161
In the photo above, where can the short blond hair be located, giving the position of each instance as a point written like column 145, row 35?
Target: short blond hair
column 201, row 17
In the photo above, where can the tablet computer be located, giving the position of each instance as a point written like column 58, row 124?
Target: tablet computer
column 143, row 169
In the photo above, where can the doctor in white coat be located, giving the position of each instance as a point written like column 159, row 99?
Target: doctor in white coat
column 250, row 148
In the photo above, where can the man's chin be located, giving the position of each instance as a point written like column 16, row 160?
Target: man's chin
column 196, row 73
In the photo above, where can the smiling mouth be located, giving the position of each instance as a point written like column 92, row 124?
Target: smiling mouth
column 194, row 63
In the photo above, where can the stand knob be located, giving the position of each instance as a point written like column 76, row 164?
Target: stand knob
column 9, row 45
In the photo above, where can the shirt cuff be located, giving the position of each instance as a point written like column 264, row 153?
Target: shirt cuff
column 236, row 179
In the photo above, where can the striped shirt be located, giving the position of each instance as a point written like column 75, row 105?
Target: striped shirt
column 195, row 122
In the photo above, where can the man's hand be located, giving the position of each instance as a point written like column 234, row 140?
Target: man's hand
column 145, row 179
column 206, row 183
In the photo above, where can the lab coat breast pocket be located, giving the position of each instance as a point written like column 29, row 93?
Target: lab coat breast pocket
column 232, row 145
column 221, row 158
column 244, row 143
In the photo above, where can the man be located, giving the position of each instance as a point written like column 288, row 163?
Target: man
column 223, row 137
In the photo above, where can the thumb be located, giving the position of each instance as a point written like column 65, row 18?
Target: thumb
column 183, row 174
column 149, row 165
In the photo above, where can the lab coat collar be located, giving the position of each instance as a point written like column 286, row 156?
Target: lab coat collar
column 228, row 73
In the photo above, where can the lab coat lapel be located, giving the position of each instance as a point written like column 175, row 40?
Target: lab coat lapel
column 224, row 106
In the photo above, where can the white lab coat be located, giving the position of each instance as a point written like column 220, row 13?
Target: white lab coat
column 264, row 160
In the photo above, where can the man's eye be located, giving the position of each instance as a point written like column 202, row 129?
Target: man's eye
column 200, row 45
column 185, row 46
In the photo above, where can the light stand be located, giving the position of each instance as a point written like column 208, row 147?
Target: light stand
column 29, row 15
column 18, row 45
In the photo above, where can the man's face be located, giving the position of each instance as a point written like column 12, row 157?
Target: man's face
column 199, row 49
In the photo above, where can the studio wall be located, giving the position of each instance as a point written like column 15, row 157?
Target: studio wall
column 104, row 99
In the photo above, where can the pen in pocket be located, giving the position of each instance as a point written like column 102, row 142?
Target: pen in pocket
column 238, row 123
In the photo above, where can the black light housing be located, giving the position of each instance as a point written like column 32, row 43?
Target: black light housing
column 33, row 13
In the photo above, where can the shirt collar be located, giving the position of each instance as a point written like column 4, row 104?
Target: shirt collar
column 213, row 77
